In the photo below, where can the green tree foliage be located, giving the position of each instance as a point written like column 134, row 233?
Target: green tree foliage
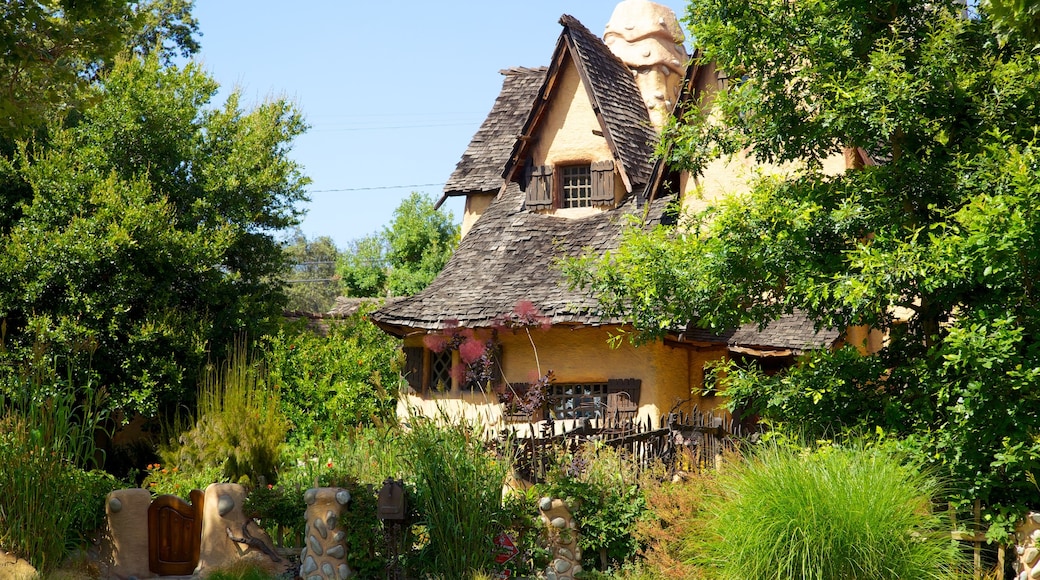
column 165, row 27
column 1015, row 18
column 332, row 383
column 937, row 245
column 406, row 256
column 52, row 50
column 148, row 233
column 311, row 274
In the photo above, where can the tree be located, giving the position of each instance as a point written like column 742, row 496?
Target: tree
column 148, row 236
column 937, row 245
column 406, row 256
column 311, row 275
column 52, row 50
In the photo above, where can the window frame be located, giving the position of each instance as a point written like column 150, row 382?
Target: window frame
column 574, row 186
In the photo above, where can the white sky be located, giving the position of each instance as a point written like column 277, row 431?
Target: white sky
column 392, row 90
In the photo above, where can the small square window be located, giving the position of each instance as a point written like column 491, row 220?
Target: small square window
column 576, row 186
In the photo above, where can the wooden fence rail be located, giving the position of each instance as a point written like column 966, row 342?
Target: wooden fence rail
column 689, row 442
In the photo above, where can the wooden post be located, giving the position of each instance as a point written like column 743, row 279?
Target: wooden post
column 978, row 545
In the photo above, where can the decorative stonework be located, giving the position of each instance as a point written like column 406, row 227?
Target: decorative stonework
column 324, row 556
column 229, row 537
column 647, row 37
column 563, row 539
column 1027, row 550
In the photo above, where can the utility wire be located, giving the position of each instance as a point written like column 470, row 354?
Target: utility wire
column 373, row 188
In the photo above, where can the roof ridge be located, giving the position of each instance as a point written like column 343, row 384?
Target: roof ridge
column 618, row 101
column 514, row 70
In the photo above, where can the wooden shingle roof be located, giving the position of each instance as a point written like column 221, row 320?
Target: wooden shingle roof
column 793, row 332
column 509, row 256
column 480, row 169
column 615, row 98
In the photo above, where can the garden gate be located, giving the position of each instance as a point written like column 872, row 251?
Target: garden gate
column 175, row 534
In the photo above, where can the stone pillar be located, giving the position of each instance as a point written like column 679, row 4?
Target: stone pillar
column 229, row 537
column 1027, row 538
column 125, row 548
column 324, row 556
column 563, row 539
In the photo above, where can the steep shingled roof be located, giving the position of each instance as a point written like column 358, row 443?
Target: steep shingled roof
column 615, row 98
column 480, row 168
column 615, row 94
column 507, row 257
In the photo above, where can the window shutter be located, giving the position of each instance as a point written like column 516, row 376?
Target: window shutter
column 413, row 367
column 539, row 194
column 603, row 183
column 630, row 386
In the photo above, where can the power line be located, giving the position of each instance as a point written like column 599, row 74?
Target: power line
column 374, row 188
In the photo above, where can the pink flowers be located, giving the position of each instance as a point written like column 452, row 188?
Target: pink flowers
column 471, row 350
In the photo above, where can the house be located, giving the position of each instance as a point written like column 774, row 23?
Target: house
column 563, row 159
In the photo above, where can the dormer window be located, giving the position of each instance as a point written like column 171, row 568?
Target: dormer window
column 576, row 186
column 570, row 186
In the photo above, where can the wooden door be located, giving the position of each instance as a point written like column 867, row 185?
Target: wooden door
column 174, row 534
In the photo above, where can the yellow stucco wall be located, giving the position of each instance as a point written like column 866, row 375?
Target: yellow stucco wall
column 565, row 134
column 570, row 132
column 476, row 204
column 671, row 376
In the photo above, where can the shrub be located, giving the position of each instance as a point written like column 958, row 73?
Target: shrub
column 331, row 384
column 602, row 492
column 830, row 512
column 173, row 480
column 672, row 528
column 458, row 492
column 239, row 426
column 48, row 496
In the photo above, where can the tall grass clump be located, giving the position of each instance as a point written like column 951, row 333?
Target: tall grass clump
column 850, row 512
column 50, row 489
column 458, row 492
column 239, row 425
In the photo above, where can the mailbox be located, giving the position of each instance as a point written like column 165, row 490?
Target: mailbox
column 391, row 501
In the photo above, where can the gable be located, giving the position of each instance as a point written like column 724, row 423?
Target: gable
column 569, row 131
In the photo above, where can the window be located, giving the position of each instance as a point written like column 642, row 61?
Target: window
column 588, row 400
column 577, row 400
column 576, row 186
column 440, row 370
column 427, row 370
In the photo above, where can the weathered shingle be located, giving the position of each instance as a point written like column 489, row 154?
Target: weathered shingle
column 510, row 256
column 617, row 98
column 480, row 169
column 794, row 332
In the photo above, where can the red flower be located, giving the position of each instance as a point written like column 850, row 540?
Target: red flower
column 329, row 465
column 525, row 309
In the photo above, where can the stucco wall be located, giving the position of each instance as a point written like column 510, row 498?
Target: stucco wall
column 568, row 132
column 671, row 375
column 476, row 204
